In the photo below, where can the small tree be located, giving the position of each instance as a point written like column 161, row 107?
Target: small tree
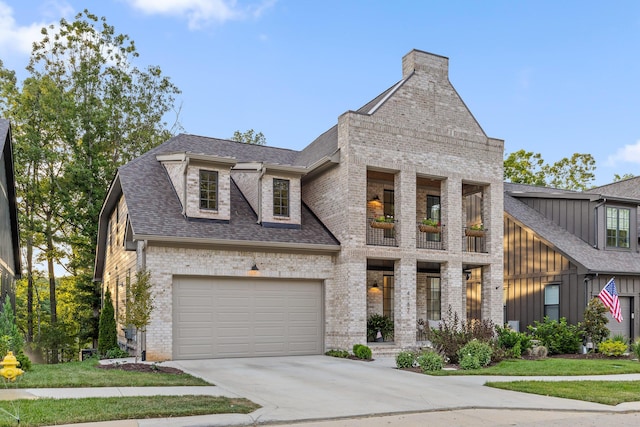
column 9, row 329
column 107, row 333
column 249, row 137
column 139, row 302
column 595, row 321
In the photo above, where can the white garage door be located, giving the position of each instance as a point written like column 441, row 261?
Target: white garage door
column 216, row 318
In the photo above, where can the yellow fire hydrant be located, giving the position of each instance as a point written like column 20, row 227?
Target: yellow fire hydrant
column 10, row 368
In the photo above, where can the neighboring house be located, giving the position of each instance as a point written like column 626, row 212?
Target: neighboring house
column 259, row 251
column 562, row 247
column 9, row 237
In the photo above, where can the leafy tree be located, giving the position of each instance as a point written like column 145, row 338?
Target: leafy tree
column 575, row 173
column 595, row 321
column 249, row 137
column 84, row 110
column 8, row 328
column 139, row 302
column 622, row 177
column 108, row 336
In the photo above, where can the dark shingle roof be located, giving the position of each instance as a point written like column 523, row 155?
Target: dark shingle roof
column 154, row 207
column 570, row 245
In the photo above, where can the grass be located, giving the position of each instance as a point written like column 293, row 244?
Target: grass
column 87, row 374
column 553, row 367
column 605, row 392
column 43, row 412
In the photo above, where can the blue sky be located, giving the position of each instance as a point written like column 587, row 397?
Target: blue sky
column 546, row 76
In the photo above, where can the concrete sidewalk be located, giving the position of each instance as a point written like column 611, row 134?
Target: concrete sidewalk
column 320, row 391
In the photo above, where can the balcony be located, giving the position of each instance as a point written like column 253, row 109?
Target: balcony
column 429, row 237
column 474, row 240
column 381, row 233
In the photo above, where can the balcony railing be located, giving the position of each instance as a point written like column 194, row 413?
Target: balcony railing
column 474, row 240
column 429, row 237
column 381, row 234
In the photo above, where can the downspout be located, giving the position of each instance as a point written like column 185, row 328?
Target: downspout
column 184, row 187
column 595, row 210
column 263, row 170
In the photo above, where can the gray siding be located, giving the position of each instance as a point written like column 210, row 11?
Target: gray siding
column 575, row 216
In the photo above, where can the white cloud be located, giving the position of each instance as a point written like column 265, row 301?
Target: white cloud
column 200, row 13
column 15, row 39
column 626, row 154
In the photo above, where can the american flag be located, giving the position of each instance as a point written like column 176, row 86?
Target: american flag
column 609, row 297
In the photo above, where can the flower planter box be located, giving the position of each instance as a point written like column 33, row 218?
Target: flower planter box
column 474, row 233
column 429, row 228
column 384, row 225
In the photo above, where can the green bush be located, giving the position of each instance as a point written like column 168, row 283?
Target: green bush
column 557, row 336
column 635, row 348
column 514, row 343
column 405, row 359
column 475, row 355
column 595, row 321
column 107, row 333
column 338, row 353
column 612, row 347
column 362, row 351
column 378, row 322
column 430, row 361
column 23, row 359
column 452, row 334
column 115, row 353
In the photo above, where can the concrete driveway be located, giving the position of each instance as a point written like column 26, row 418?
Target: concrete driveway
column 322, row 387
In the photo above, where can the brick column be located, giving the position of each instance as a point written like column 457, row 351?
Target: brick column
column 405, row 302
column 405, row 208
column 453, row 290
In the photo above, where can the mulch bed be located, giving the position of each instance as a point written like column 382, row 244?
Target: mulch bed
column 142, row 367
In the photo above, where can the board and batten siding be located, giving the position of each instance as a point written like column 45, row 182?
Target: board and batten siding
column 575, row 216
column 530, row 265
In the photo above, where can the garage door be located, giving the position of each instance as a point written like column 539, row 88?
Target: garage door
column 216, row 318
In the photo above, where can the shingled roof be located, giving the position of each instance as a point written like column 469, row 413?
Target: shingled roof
column 571, row 246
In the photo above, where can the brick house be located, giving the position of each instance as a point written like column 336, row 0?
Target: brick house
column 256, row 250
column 9, row 237
column 562, row 247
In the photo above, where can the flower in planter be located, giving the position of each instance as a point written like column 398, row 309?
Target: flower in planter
column 382, row 218
column 478, row 227
column 431, row 222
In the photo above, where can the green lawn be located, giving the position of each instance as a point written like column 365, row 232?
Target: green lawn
column 87, row 374
column 553, row 367
column 606, row 392
column 40, row 412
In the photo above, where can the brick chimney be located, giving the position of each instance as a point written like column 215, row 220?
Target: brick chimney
column 425, row 63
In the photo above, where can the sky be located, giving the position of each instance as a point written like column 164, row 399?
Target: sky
column 551, row 77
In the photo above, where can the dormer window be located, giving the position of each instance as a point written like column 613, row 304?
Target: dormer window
column 280, row 197
column 208, row 190
column 618, row 226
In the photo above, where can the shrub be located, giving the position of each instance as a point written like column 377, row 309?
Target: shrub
column 115, row 353
column 430, row 361
column 595, row 321
column 23, row 359
column 635, row 348
column 405, row 359
column 338, row 353
column 514, row 343
column 452, row 334
column 558, row 336
column 612, row 347
column 378, row 322
column 107, row 333
column 362, row 351
column 475, row 355
column 620, row 338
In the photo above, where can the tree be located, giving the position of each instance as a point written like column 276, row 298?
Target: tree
column 249, row 137
column 108, row 335
column 84, row 110
column 622, row 177
column 139, row 303
column 526, row 167
column 595, row 321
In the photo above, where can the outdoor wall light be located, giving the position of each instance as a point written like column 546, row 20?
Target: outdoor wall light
column 467, row 274
column 375, row 285
column 254, row 271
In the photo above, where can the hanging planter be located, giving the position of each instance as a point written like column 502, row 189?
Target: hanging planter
column 386, row 223
column 429, row 228
column 474, row 233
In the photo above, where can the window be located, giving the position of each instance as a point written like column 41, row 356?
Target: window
column 618, row 221
column 433, row 212
column 208, row 190
column 552, row 302
column 433, row 298
column 389, row 210
column 387, row 296
column 280, row 197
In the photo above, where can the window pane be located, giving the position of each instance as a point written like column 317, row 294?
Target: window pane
column 552, row 294
column 552, row 311
column 280, row 197
column 433, row 298
column 208, row 189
